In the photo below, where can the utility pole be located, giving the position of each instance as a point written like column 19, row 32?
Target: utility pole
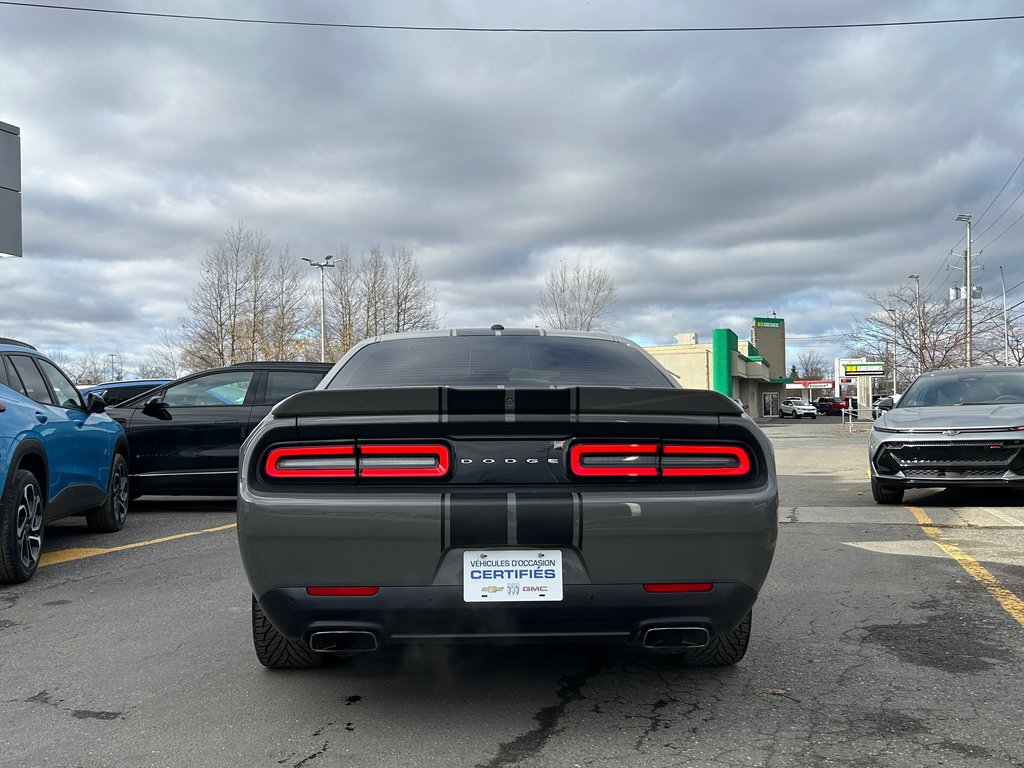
column 112, row 356
column 1006, row 327
column 892, row 314
column 920, row 322
column 322, row 265
column 968, row 291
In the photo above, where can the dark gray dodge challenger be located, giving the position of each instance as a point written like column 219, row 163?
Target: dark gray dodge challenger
column 492, row 485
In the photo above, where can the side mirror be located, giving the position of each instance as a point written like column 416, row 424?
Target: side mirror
column 154, row 404
column 95, row 403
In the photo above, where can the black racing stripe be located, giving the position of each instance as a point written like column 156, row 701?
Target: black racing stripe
column 479, row 520
column 544, row 519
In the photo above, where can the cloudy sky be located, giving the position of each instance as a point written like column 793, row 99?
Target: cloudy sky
column 719, row 175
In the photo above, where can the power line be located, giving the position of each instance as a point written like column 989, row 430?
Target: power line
column 536, row 30
column 991, row 203
column 1003, row 232
column 997, row 196
column 1005, row 210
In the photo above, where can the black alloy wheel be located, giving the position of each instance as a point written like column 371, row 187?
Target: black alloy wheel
column 21, row 528
column 110, row 516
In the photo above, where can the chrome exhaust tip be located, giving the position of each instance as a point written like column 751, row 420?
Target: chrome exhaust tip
column 676, row 637
column 345, row 641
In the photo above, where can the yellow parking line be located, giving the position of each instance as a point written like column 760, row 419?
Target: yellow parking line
column 1010, row 603
column 67, row 555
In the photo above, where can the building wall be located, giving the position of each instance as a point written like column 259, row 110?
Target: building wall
column 753, row 371
column 689, row 362
column 768, row 334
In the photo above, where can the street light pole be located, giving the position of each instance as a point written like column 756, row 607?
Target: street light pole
column 968, row 290
column 919, row 311
column 322, row 265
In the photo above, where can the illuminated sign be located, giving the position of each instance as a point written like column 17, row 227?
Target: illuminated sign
column 863, row 369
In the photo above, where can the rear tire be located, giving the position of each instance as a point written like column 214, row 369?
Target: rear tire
column 109, row 517
column 274, row 650
column 885, row 495
column 21, row 528
column 723, row 650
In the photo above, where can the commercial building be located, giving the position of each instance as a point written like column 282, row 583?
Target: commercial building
column 752, row 371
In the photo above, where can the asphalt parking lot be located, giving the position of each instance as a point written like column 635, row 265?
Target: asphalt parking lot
column 885, row 636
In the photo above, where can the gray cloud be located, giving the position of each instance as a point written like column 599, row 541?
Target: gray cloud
column 718, row 175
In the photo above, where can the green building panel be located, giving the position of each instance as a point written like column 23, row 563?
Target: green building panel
column 724, row 343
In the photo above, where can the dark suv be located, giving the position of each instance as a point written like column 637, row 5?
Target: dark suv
column 185, row 436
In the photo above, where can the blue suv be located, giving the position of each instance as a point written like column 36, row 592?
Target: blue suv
column 60, row 455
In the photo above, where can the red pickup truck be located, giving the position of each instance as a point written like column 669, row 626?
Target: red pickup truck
column 830, row 406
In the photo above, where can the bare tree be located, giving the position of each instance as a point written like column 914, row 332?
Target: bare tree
column 413, row 301
column 259, row 294
column 286, row 314
column 228, row 311
column 344, row 306
column 577, row 296
column 90, row 368
column 379, row 294
column 925, row 336
column 60, row 356
column 374, row 286
column 812, row 365
column 164, row 361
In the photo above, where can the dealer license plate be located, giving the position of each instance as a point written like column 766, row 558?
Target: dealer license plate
column 512, row 575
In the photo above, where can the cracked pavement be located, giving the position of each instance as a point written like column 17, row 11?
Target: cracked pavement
column 871, row 648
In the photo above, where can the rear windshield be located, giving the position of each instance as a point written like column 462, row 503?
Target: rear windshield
column 512, row 361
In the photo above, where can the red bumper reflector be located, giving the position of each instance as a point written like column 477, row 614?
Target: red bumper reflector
column 697, row 586
column 342, row 591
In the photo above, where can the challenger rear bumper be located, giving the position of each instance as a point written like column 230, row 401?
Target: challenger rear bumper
column 438, row 613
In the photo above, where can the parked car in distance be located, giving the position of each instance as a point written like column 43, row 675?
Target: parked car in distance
column 185, row 436
column 951, row 429
column 60, row 455
column 796, row 408
column 114, row 392
column 486, row 485
column 830, row 406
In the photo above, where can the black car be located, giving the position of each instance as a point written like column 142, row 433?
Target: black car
column 184, row 437
column 493, row 485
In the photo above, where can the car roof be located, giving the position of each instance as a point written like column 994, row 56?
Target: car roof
column 974, row 369
column 15, row 345
column 499, row 330
column 128, row 383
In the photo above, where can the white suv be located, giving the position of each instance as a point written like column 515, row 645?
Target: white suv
column 797, row 408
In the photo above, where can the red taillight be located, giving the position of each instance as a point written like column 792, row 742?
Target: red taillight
column 403, row 460
column 311, row 461
column 614, row 459
column 698, row 586
column 362, row 461
column 704, row 461
column 654, row 460
column 342, row 591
